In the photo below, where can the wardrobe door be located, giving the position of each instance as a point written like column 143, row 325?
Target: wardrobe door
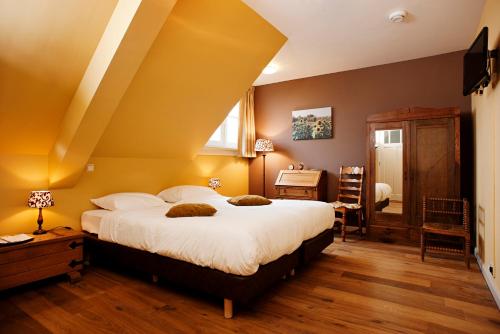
column 434, row 162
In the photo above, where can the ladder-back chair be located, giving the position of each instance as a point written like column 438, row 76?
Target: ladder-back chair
column 349, row 197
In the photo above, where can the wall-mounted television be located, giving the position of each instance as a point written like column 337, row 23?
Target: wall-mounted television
column 476, row 64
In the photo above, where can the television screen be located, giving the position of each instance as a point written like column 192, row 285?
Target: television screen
column 476, row 64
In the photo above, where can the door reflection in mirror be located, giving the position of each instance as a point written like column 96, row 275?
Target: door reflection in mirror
column 389, row 171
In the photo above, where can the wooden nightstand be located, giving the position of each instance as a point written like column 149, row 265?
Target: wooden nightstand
column 55, row 253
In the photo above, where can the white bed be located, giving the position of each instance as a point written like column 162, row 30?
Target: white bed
column 382, row 192
column 236, row 240
column 91, row 220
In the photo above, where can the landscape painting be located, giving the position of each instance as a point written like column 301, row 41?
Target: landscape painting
column 312, row 124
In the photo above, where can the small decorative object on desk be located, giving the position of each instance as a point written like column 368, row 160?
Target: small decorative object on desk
column 214, row 183
column 40, row 199
column 301, row 166
column 291, row 167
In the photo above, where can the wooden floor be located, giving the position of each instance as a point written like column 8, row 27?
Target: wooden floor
column 394, row 207
column 355, row 287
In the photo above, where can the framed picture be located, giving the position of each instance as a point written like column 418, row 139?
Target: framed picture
column 312, row 124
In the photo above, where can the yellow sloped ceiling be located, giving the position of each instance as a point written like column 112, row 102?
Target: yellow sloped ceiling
column 202, row 61
column 45, row 47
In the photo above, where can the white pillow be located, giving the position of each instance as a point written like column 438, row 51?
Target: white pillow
column 127, row 201
column 180, row 193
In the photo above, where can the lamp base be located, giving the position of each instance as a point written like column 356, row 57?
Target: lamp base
column 39, row 231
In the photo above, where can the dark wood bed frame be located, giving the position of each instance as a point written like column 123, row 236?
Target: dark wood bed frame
column 380, row 205
column 232, row 288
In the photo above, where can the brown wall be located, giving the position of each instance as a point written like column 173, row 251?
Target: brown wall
column 428, row 82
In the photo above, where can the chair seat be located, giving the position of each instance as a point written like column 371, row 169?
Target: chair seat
column 351, row 206
column 443, row 228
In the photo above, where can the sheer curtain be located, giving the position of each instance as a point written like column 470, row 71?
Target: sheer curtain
column 247, row 125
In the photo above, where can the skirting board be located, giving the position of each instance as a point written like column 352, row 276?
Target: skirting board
column 489, row 280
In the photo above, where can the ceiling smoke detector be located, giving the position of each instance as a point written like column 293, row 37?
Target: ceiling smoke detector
column 398, row 16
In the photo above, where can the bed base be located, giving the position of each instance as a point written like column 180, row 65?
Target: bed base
column 232, row 288
column 379, row 206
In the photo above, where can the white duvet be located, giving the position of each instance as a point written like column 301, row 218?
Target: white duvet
column 236, row 240
column 382, row 191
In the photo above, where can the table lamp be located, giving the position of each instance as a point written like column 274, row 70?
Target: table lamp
column 214, row 183
column 40, row 199
column 264, row 146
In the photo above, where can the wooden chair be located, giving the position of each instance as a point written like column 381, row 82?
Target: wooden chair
column 446, row 217
column 349, row 197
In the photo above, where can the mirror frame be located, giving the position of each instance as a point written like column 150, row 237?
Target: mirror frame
column 371, row 176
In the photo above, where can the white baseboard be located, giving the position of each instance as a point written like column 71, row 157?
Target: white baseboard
column 489, row 280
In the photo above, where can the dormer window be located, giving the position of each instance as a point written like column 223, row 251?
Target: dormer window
column 227, row 134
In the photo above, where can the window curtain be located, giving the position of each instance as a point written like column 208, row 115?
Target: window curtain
column 247, row 125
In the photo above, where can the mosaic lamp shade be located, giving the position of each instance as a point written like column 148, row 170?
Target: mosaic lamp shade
column 40, row 199
column 214, row 183
column 264, row 145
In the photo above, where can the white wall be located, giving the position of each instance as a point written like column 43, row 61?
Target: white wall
column 486, row 116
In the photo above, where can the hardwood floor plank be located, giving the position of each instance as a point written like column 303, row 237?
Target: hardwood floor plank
column 14, row 320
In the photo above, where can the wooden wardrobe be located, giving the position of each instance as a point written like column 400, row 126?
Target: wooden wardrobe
column 430, row 158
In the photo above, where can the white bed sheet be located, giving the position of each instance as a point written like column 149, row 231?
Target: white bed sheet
column 382, row 191
column 236, row 240
column 91, row 220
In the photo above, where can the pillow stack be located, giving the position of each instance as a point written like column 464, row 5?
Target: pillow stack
column 128, row 201
column 180, row 193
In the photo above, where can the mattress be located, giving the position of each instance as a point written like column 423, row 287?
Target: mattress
column 235, row 240
column 91, row 220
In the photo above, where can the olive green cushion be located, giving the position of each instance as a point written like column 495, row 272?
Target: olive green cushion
column 191, row 210
column 248, row 200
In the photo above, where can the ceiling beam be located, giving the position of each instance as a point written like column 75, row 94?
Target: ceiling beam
column 132, row 29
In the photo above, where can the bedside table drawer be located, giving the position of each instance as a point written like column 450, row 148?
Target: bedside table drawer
column 41, row 250
column 70, row 258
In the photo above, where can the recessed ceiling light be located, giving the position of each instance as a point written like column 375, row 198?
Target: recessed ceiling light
column 398, row 16
column 270, row 69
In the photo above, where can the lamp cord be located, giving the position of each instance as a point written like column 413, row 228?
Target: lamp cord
column 57, row 227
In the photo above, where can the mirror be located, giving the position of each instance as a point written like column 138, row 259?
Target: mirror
column 389, row 171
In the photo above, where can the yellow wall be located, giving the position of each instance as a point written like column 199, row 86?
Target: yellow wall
column 486, row 113
column 21, row 174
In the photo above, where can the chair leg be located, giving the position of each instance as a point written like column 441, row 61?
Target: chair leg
column 422, row 246
column 467, row 253
column 343, row 226
column 360, row 223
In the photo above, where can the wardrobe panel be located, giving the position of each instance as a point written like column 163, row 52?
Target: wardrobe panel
column 433, row 168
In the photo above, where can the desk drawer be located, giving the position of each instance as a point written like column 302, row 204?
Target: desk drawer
column 295, row 192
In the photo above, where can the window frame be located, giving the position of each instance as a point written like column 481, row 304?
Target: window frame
column 221, row 147
column 389, row 144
